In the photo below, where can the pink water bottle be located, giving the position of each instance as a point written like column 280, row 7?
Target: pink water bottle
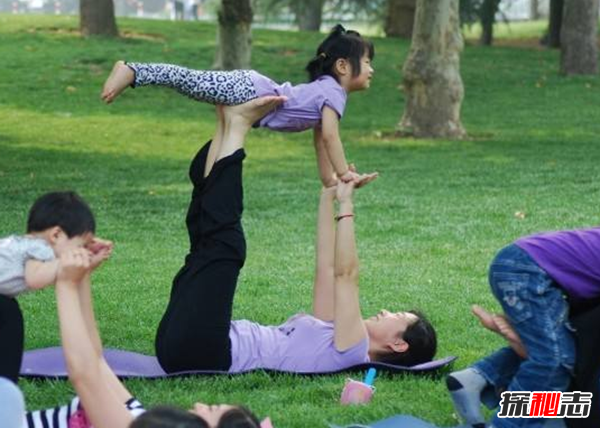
column 356, row 392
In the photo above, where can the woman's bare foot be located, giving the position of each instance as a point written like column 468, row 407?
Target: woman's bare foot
column 508, row 332
column 485, row 318
column 238, row 120
column 120, row 78
column 249, row 113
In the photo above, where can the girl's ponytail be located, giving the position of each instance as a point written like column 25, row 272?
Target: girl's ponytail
column 340, row 43
column 338, row 30
column 316, row 66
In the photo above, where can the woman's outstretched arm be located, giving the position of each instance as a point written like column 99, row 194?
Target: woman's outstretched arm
column 98, row 255
column 323, row 294
column 349, row 326
column 323, row 288
column 102, row 404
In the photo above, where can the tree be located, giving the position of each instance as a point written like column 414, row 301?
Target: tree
column 97, row 18
column 484, row 12
column 400, row 18
column 552, row 38
column 432, row 82
column 309, row 14
column 487, row 16
column 534, row 10
column 234, row 35
column 578, row 39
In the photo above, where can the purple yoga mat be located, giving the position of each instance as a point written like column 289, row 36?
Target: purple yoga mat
column 50, row 363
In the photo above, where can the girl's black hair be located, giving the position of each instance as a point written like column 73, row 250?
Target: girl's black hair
column 172, row 417
column 340, row 43
column 64, row 209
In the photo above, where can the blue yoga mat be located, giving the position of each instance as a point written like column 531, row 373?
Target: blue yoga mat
column 50, row 363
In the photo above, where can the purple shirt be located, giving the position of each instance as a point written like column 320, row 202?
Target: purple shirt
column 302, row 344
column 571, row 258
column 305, row 102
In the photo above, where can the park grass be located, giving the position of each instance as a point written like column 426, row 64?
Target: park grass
column 427, row 228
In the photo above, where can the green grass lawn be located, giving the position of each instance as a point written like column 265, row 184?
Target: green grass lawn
column 426, row 229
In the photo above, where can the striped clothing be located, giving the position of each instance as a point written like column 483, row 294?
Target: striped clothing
column 71, row 415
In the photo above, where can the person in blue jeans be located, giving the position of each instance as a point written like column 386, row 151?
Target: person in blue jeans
column 537, row 280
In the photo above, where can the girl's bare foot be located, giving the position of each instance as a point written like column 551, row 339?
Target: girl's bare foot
column 120, row 78
column 485, row 318
column 508, row 332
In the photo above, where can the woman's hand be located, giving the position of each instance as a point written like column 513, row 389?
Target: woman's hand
column 364, row 179
column 329, row 191
column 361, row 179
column 344, row 191
column 100, row 250
column 74, row 266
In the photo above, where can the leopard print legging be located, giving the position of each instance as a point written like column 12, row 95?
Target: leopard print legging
column 214, row 87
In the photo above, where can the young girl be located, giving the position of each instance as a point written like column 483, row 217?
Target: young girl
column 342, row 65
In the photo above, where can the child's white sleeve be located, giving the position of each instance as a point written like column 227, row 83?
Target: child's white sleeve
column 15, row 251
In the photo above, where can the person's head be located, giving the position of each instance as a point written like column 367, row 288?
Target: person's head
column 345, row 56
column 201, row 416
column 64, row 219
column 401, row 338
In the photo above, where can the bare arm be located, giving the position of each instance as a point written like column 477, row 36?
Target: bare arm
column 323, row 291
column 87, row 312
column 349, row 325
column 330, row 135
column 99, row 251
column 326, row 173
column 102, row 403
column 39, row 274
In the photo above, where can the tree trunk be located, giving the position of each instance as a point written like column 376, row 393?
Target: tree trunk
column 234, row 35
column 97, row 18
column 534, row 10
column 400, row 18
column 487, row 16
column 555, row 22
column 579, row 39
column 432, row 82
column 309, row 14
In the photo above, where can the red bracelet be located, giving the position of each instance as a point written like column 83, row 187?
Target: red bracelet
column 338, row 218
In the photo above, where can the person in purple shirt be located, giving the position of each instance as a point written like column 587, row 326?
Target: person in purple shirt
column 538, row 280
column 196, row 331
column 342, row 65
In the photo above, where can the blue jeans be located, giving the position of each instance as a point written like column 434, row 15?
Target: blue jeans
column 537, row 309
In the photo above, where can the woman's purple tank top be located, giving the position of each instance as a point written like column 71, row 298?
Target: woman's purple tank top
column 303, row 344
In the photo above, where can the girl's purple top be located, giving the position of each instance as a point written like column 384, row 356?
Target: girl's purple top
column 571, row 258
column 305, row 102
column 303, row 344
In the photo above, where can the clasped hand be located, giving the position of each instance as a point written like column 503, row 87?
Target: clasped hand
column 76, row 264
